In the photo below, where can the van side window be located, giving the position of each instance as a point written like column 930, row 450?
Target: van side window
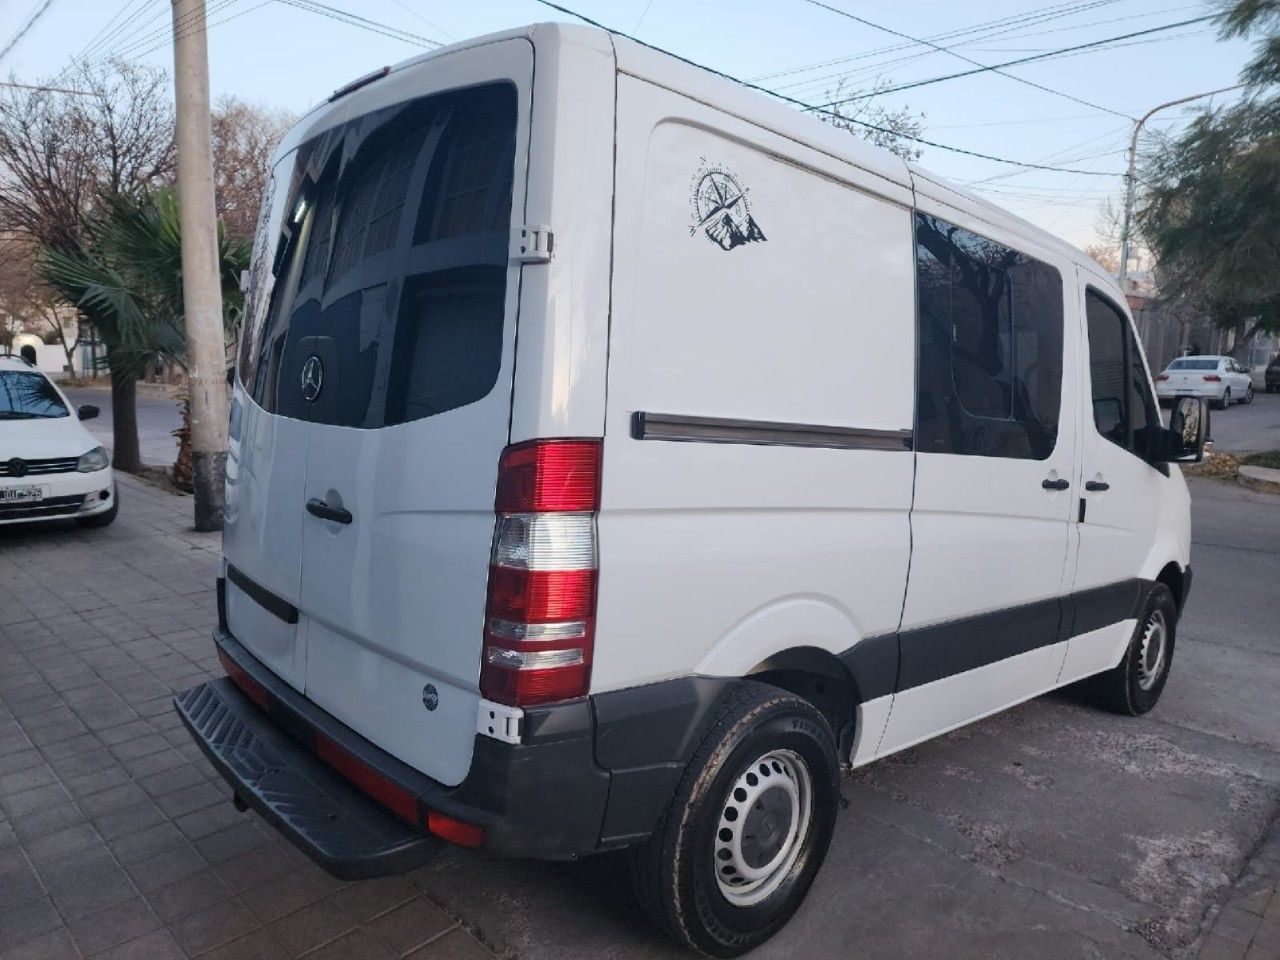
column 990, row 320
column 383, row 251
column 1123, row 409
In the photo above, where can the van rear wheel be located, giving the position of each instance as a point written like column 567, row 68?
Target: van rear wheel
column 747, row 830
column 1134, row 686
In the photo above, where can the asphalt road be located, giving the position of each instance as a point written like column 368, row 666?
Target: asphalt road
column 1248, row 428
column 157, row 417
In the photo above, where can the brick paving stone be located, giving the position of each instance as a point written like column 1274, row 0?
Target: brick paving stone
column 56, row 944
column 113, row 926
column 213, row 926
column 410, row 925
column 159, row 945
column 455, row 945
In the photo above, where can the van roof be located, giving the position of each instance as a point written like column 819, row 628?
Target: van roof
column 688, row 79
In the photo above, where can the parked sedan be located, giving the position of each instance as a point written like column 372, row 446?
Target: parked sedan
column 1271, row 378
column 1220, row 380
column 50, row 465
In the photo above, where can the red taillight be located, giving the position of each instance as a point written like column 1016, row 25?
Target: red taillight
column 540, row 616
column 1162, row 377
column 395, row 798
column 1212, row 378
column 249, row 686
column 455, row 831
column 549, row 475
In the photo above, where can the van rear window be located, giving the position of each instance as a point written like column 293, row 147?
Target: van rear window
column 382, row 252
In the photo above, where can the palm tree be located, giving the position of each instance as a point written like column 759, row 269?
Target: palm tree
column 127, row 281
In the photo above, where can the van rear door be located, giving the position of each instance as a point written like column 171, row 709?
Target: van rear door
column 262, row 537
column 411, row 352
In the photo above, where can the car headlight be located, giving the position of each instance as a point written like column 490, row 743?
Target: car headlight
column 95, row 459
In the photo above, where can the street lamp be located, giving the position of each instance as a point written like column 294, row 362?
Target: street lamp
column 1130, row 178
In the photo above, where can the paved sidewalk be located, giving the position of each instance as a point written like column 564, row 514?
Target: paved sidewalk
column 1248, row 925
column 117, row 839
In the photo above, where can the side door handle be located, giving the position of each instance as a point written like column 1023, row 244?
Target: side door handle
column 1096, row 485
column 318, row 508
column 1060, row 484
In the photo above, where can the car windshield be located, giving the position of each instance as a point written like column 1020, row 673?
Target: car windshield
column 26, row 395
column 1194, row 365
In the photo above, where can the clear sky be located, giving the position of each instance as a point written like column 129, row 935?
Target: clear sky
column 280, row 55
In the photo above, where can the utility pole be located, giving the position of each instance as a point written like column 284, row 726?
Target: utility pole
column 201, row 284
column 1131, row 177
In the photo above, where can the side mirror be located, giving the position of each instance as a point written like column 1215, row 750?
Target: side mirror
column 1188, row 431
column 87, row 412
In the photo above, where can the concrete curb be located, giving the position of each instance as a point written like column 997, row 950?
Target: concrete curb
column 1265, row 479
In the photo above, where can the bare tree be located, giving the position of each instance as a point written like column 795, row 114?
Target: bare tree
column 1106, row 254
column 245, row 135
column 65, row 157
column 61, row 154
column 28, row 300
column 894, row 130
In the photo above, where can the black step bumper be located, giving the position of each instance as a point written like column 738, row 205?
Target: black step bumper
column 303, row 797
column 587, row 775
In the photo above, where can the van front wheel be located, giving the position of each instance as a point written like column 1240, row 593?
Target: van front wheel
column 748, row 827
column 1134, row 686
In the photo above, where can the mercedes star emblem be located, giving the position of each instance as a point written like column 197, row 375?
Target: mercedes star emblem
column 312, row 378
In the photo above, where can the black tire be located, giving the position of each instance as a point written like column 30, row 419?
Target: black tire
column 104, row 519
column 1131, row 688
column 1248, row 394
column 1225, row 401
column 677, row 874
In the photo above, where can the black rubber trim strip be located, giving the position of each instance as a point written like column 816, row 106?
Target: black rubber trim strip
column 880, row 665
column 262, row 597
column 670, row 426
column 873, row 665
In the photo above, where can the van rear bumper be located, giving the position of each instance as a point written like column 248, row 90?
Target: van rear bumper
column 543, row 798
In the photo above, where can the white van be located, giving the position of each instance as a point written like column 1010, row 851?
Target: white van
column 617, row 454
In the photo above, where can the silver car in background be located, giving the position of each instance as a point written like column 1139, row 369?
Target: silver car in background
column 1221, row 380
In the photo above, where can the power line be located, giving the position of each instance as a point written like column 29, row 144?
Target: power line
column 974, row 35
column 819, row 109
column 28, row 86
column 1021, row 60
column 240, row 13
column 26, row 27
column 355, row 20
column 960, row 56
column 1043, row 14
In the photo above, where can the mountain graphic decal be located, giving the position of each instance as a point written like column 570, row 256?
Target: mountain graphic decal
column 721, row 210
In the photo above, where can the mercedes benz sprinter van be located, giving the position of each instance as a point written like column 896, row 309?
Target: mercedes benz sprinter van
column 617, row 455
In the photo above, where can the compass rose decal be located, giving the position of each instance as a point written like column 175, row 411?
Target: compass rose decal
column 721, row 209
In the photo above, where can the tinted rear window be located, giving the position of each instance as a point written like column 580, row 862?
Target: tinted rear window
column 382, row 253
column 28, row 396
column 1194, row 365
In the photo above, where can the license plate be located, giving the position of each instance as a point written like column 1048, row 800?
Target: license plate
column 21, row 494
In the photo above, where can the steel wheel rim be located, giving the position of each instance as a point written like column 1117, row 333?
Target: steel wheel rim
column 762, row 826
column 1152, row 650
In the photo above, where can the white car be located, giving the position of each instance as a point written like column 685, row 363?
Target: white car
column 51, row 467
column 1220, row 380
column 582, row 493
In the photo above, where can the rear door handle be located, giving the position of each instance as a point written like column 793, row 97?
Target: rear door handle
column 1059, row 484
column 318, row 508
column 1097, row 485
